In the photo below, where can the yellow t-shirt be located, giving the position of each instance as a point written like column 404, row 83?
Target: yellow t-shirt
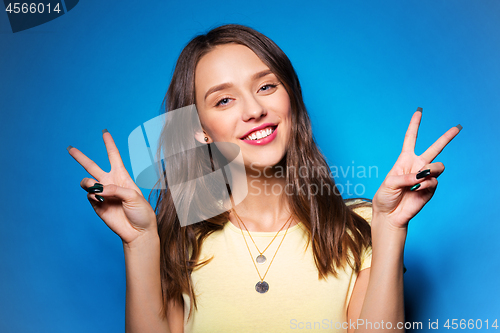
column 225, row 287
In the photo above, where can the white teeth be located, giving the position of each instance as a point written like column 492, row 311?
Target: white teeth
column 259, row 134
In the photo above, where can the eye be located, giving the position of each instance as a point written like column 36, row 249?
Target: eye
column 223, row 101
column 268, row 87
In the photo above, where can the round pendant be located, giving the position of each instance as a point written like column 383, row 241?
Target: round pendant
column 262, row 287
column 260, row 259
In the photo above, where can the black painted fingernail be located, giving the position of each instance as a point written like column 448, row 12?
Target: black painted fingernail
column 98, row 184
column 104, row 131
column 101, row 199
column 420, row 109
column 95, row 189
column 69, row 147
column 423, row 173
column 414, row 187
column 459, row 127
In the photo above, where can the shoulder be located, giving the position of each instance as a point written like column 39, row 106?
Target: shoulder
column 362, row 207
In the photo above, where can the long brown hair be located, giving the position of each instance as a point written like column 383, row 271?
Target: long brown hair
column 338, row 234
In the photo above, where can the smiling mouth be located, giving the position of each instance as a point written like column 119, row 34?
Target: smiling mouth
column 260, row 134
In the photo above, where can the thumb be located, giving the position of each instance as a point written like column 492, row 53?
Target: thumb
column 401, row 181
column 118, row 192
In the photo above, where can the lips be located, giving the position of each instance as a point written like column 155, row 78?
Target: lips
column 254, row 131
column 267, row 135
column 261, row 134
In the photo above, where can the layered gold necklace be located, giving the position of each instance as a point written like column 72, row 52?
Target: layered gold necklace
column 261, row 286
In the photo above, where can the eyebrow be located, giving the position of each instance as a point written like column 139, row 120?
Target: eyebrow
column 223, row 86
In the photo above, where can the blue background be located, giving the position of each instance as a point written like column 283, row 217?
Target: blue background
column 365, row 66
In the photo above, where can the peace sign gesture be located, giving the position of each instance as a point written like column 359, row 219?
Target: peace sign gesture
column 412, row 181
column 122, row 206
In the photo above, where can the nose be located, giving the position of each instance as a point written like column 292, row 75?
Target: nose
column 253, row 109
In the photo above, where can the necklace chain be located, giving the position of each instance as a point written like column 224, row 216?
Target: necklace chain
column 262, row 277
column 260, row 252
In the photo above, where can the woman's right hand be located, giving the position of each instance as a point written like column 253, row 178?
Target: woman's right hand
column 124, row 209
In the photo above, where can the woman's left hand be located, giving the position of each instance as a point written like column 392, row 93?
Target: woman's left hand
column 412, row 180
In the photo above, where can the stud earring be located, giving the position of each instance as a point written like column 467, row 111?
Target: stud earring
column 206, row 139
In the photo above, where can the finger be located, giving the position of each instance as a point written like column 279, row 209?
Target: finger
column 115, row 159
column 88, row 182
column 410, row 180
column 92, row 168
column 429, row 184
column 412, row 132
column 93, row 199
column 437, row 147
column 402, row 181
column 93, row 187
column 431, row 170
column 417, row 180
column 121, row 193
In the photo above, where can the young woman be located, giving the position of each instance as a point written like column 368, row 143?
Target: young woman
column 293, row 254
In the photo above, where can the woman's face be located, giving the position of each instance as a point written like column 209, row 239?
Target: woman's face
column 239, row 100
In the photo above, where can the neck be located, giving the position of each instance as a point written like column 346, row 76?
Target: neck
column 265, row 208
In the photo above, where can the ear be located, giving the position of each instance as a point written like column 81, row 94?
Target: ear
column 200, row 137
